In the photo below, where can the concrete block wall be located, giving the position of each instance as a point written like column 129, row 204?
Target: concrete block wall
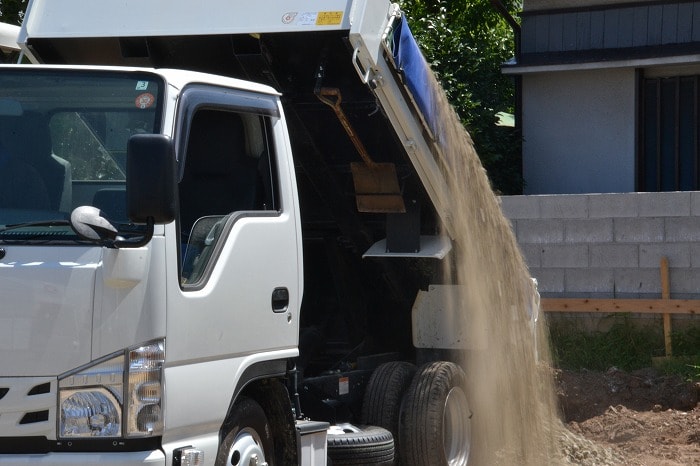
column 609, row 245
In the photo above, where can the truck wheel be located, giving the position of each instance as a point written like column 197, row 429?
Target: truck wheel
column 248, row 436
column 385, row 390
column 369, row 445
column 434, row 424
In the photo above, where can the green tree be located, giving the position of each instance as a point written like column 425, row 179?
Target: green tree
column 12, row 11
column 465, row 43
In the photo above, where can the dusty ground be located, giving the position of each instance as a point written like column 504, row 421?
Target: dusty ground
column 643, row 418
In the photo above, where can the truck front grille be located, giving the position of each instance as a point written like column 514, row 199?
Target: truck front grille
column 28, row 407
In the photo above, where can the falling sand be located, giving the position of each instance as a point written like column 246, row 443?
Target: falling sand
column 514, row 414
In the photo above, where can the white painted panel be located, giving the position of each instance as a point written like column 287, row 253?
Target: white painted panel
column 100, row 18
column 579, row 132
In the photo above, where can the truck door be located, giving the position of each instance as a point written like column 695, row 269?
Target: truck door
column 233, row 291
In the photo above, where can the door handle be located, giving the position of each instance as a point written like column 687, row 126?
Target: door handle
column 280, row 299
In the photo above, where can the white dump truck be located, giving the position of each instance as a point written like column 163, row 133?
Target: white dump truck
column 222, row 228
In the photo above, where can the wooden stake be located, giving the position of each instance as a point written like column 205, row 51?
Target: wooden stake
column 666, row 294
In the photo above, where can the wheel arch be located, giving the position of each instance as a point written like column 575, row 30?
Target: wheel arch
column 264, row 383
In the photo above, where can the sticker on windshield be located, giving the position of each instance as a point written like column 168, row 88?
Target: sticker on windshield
column 145, row 100
column 141, row 85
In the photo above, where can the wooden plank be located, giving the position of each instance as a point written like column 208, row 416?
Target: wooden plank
column 638, row 306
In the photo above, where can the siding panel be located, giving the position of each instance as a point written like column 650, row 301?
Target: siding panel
column 640, row 17
column 597, row 29
column 669, row 24
column 654, row 25
column 583, row 31
column 570, row 30
column 556, row 33
column 696, row 22
column 621, row 26
column 685, row 22
column 529, row 34
column 542, row 34
column 611, row 29
column 625, row 29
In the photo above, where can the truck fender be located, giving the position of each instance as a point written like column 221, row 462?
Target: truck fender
column 262, row 382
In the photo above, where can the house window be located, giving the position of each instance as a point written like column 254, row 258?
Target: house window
column 669, row 119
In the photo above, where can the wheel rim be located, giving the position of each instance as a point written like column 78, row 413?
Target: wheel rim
column 456, row 427
column 246, row 450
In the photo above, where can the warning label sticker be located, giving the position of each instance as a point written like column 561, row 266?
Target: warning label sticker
column 329, row 18
column 343, row 385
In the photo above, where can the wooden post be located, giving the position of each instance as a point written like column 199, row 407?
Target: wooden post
column 666, row 294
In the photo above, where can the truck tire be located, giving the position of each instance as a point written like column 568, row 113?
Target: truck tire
column 434, row 423
column 382, row 400
column 247, row 435
column 368, row 445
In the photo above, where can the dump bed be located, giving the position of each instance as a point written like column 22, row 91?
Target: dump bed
column 361, row 49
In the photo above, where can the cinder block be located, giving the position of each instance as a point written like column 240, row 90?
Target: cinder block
column 564, row 206
column 565, row 256
column 517, row 207
column 695, row 203
column 636, row 282
column 549, row 280
column 613, row 205
column 685, row 281
column 678, row 254
column 682, row 229
column 676, row 204
column 614, row 255
column 532, row 253
column 589, row 281
column 695, row 255
column 591, row 230
column 638, row 230
column 540, row 231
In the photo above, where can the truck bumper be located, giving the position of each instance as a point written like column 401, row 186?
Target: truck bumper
column 155, row 457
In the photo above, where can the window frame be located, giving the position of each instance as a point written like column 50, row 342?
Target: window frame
column 668, row 154
column 195, row 97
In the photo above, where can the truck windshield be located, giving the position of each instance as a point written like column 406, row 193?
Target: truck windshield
column 63, row 139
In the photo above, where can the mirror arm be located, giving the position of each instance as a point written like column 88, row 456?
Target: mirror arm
column 138, row 242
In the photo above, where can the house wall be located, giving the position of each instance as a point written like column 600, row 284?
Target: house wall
column 589, row 142
column 529, row 5
column 609, row 245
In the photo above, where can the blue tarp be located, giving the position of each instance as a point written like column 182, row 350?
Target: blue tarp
column 415, row 69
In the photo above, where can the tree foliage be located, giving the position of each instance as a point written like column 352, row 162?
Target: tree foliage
column 12, row 11
column 465, row 43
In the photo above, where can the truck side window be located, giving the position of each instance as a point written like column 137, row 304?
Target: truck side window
column 227, row 170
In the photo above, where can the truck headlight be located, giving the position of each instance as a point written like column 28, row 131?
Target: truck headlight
column 119, row 396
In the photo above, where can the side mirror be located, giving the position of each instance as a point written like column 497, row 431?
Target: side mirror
column 150, row 179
